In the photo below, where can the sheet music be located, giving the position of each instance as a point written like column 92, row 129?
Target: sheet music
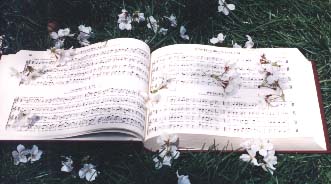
column 97, row 90
column 193, row 102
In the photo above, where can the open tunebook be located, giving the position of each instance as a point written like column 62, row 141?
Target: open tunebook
column 103, row 92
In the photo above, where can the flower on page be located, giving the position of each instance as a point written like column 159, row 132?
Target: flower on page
column 28, row 74
column 124, row 20
column 152, row 24
column 88, row 172
column 219, row 39
column 35, row 154
column 84, row 34
column 62, row 56
column 20, row 156
column 183, row 179
column 182, row 33
column 138, row 17
column 229, row 79
column 225, row 8
column 260, row 153
column 163, row 31
column 25, row 119
column 67, row 165
column 172, row 19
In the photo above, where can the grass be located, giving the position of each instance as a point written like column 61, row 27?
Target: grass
column 304, row 24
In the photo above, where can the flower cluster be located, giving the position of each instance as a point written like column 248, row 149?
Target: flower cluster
column 248, row 44
column 260, row 153
column 28, row 74
column 225, row 8
column 168, row 150
column 23, row 155
column 272, row 80
column 60, row 36
column 228, row 79
column 88, row 171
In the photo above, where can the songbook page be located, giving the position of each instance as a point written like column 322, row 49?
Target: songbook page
column 97, row 89
column 194, row 102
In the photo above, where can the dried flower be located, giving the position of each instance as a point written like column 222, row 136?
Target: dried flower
column 84, row 35
column 219, row 39
column 88, row 172
column 67, row 165
column 152, row 24
column 172, row 19
column 124, row 20
column 20, row 155
column 183, row 179
column 182, row 33
column 225, row 8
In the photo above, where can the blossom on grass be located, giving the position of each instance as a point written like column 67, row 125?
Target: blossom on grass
column 59, row 37
column 88, row 172
column 182, row 33
column 249, row 43
column 225, row 8
column 138, row 17
column 172, row 19
column 124, row 20
column 20, row 156
column 163, row 31
column 168, row 150
column 260, row 153
column 219, row 39
column 183, row 179
column 35, row 154
column 84, row 35
column 67, row 165
column 152, row 24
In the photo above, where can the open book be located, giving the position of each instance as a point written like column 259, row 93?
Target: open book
column 103, row 92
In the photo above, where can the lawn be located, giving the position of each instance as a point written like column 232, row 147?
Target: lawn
column 302, row 24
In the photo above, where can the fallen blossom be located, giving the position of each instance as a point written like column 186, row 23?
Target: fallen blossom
column 163, row 31
column 88, row 172
column 25, row 119
column 183, row 179
column 225, row 8
column 150, row 99
column 59, row 37
column 229, row 79
column 182, row 33
column 138, row 17
column 84, row 34
column 62, row 56
column 20, row 156
column 35, row 154
column 67, row 165
column 168, row 150
column 260, row 153
column 219, row 39
column 235, row 45
column 124, row 20
column 172, row 19
column 152, row 24
column 249, row 43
